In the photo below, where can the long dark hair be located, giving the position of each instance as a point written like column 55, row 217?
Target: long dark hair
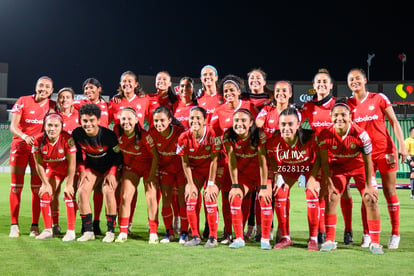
column 172, row 96
column 253, row 130
column 137, row 128
column 95, row 82
column 168, row 113
column 48, row 116
column 304, row 135
column 138, row 90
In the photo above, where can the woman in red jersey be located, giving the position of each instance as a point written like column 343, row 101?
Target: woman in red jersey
column 208, row 96
column 165, row 133
column 26, row 122
column 369, row 111
column 292, row 151
column 349, row 147
column 199, row 148
column 246, row 153
column 259, row 93
column 140, row 160
column 186, row 102
column 54, row 152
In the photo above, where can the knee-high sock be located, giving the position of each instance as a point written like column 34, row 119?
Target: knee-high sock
column 225, row 206
column 55, row 217
column 97, row 205
column 212, row 217
column 330, row 226
column 364, row 218
column 184, row 220
column 394, row 211
column 374, row 230
column 281, row 198
column 153, row 226
column 35, row 184
column 246, row 209
column 87, row 222
column 266, row 211
column 15, row 196
column 192, row 216
column 237, row 217
column 133, row 206
column 321, row 216
column 70, row 212
column 110, row 223
column 123, row 224
column 167, row 216
column 198, row 209
column 45, row 209
column 313, row 213
column 346, row 208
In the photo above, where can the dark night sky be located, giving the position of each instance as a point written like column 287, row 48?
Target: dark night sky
column 73, row 40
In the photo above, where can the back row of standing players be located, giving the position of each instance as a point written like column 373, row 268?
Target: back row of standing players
column 220, row 103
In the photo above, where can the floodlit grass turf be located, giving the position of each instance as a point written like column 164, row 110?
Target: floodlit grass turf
column 27, row 256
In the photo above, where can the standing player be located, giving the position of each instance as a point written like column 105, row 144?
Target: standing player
column 26, row 122
column 140, row 160
column 292, row 151
column 186, row 102
column 199, row 149
column 246, row 153
column 165, row 133
column 369, row 111
column 259, row 93
column 54, row 153
column 98, row 158
column 409, row 144
column 65, row 108
column 208, row 96
column 346, row 142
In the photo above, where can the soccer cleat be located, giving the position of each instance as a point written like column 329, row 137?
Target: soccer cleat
column 69, row 236
column 284, row 242
column 328, row 246
column 195, row 241
column 237, row 243
column 183, row 237
column 348, row 239
column 34, row 231
column 177, row 224
column 394, row 242
column 122, row 237
column 313, row 245
column 321, row 237
column 46, row 234
column 14, row 231
column 87, row 236
column 96, row 228
column 211, row 243
column 265, row 244
column 56, row 230
column 366, row 241
column 376, row 249
column 226, row 238
column 153, row 238
column 130, row 228
column 109, row 237
column 412, row 196
column 167, row 238
column 258, row 237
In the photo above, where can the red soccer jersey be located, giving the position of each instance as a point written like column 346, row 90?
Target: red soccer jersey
column 369, row 115
column 167, row 147
column 136, row 154
column 319, row 115
column 154, row 101
column 259, row 100
column 270, row 116
column 103, row 106
column 182, row 112
column 139, row 104
column 246, row 154
column 32, row 114
column 292, row 161
column 71, row 121
column 222, row 118
column 54, row 155
column 345, row 151
column 199, row 151
column 209, row 103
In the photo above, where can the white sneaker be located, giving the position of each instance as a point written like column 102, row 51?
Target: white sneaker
column 14, row 231
column 69, row 236
column 46, row 234
column 394, row 242
column 167, row 238
column 109, row 237
column 87, row 236
column 153, row 238
column 366, row 241
column 34, row 231
column 122, row 237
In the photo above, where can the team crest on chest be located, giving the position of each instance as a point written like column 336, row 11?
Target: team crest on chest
column 208, row 147
column 371, row 107
column 353, row 146
column 60, row 150
column 136, row 147
column 100, row 149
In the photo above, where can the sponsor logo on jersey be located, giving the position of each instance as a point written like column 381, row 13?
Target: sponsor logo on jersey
column 322, row 124
column 34, row 121
column 32, row 112
column 366, row 118
column 371, row 107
